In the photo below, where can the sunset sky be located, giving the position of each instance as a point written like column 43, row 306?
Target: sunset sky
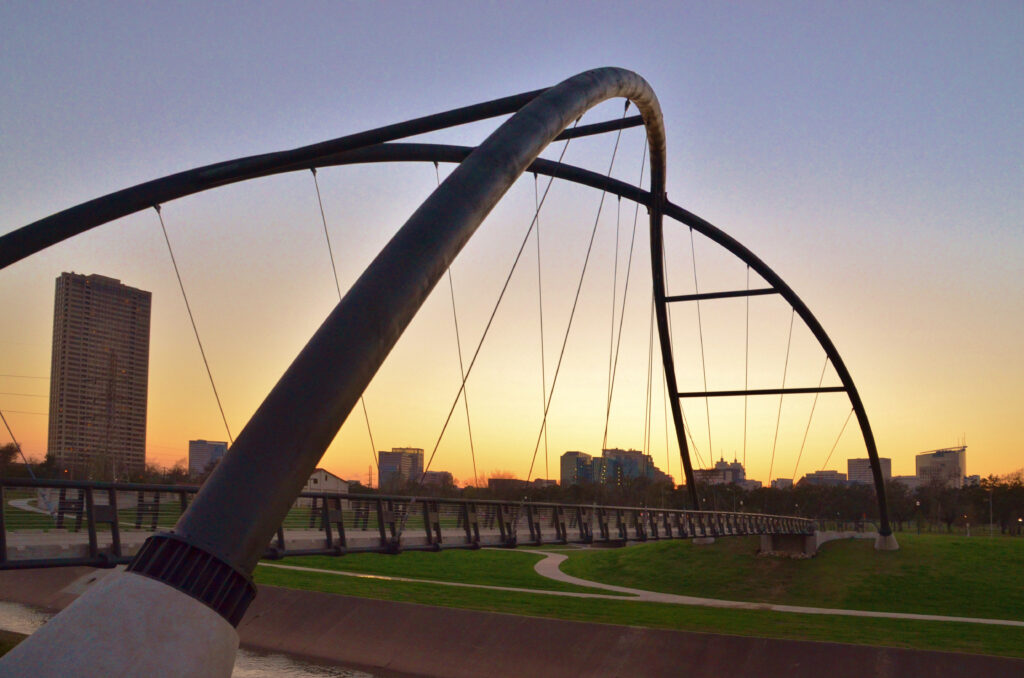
column 872, row 154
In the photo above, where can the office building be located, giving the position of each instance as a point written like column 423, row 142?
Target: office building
column 824, row 478
column 858, row 471
column 203, row 454
column 946, row 467
column 724, row 473
column 399, row 466
column 575, row 468
column 614, row 467
column 99, row 377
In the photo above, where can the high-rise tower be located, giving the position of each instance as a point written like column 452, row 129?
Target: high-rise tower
column 99, row 377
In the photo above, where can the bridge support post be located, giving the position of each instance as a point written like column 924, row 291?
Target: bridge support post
column 129, row 624
column 794, row 544
column 886, row 542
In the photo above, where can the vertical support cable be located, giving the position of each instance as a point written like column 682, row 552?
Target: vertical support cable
column 778, row 417
column 540, row 313
column 746, row 371
column 625, row 292
column 337, row 286
column 458, row 347
column 611, row 331
column 703, row 364
column 576, row 299
column 192, row 320
column 810, row 417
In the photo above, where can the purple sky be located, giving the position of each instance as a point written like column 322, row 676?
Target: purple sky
column 871, row 153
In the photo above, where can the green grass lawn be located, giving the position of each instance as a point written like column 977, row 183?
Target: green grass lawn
column 486, row 566
column 898, row 633
column 930, row 574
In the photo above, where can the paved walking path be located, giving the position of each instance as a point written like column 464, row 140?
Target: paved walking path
column 549, row 567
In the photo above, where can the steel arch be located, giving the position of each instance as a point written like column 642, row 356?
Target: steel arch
column 288, row 434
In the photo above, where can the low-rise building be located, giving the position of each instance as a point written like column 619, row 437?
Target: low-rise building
column 322, row 481
column 825, row 478
column 203, row 454
column 858, row 471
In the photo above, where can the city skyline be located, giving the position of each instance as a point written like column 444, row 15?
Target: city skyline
column 880, row 179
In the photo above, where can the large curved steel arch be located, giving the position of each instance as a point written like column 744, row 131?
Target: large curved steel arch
column 405, row 152
column 233, row 518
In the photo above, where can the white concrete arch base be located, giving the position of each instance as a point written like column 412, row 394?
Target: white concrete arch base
column 128, row 625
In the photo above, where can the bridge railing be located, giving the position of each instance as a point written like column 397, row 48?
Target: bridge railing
column 53, row 523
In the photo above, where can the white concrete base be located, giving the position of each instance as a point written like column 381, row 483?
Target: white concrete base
column 886, row 543
column 703, row 541
column 128, row 625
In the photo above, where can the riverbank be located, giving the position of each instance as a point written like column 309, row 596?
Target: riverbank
column 389, row 638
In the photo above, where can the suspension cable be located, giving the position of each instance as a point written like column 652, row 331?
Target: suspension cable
column 17, row 445
column 746, row 371
column 337, row 285
column 778, row 417
column 671, row 333
column 836, row 443
column 650, row 378
column 458, row 346
column 540, row 313
column 814, row 404
column 579, row 288
column 487, row 327
column 192, row 319
column 625, row 292
column 611, row 332
column 664, row 407
column 703, row 364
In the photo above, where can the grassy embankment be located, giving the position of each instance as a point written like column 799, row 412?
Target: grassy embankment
column 931, row 574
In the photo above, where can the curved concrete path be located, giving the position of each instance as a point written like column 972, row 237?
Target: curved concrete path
column 550, row 567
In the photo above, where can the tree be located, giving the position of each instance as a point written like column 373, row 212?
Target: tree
column 7, row 455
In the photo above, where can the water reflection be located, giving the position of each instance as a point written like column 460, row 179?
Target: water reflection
column 24, row 619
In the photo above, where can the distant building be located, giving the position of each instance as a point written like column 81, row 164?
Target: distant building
column 858, row 471
column 782, row 483
column 506, row 486
column 909, row 482
column 824, row 478
column 202, row 454
column 576, row 468
column 399, row 466
column 623, row 465
column 724, row 473
column 99, row 376
column 322, row 480
column 946, row 467
column 614, row 467
column 544, row 482
column 438, row 479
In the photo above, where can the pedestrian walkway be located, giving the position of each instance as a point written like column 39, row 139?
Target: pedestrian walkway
column 550, row 567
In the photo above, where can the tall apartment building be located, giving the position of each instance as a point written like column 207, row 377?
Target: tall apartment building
column 859, row 470
column 202, row 454
column 400, row 465
column 947, row 466
column 99, row 376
